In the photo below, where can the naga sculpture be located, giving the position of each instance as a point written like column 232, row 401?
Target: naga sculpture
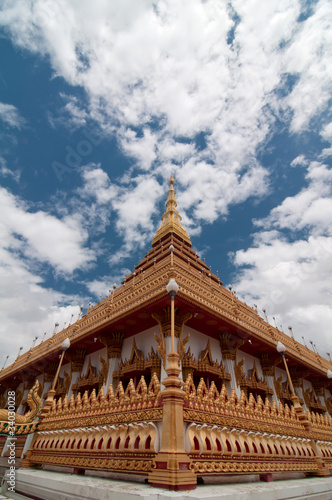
column 34, row 403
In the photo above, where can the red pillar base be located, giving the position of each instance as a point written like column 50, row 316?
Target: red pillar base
column 79, row 472
column 172, row 472
column 267, row 478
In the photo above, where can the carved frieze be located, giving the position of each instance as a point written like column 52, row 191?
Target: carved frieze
column 137, row 364
column 91, row 379
column 113, row 343
column 63, row 384
column 266, row 364
column 50, row 372
column 77, row 358
column 204, row 366
column 164, row 322
column 297, row 375
column 312, row 401
column 229, row 345
column 250, row 381
column 328, row 403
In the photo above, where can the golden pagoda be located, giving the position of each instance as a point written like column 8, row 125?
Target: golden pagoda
column 171, row 377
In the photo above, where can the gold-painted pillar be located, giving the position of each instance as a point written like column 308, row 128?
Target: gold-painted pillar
column 172, row 466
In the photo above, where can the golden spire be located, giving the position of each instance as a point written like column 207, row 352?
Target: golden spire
column 171, row 219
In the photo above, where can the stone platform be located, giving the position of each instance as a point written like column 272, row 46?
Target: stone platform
column 49, row 485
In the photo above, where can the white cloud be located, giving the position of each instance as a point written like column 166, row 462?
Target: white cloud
column 11, row 116
column 292, row 281
column 60, row 243
column 310, row 208
column 210, row 191
column 300, row 160
column 6, row 172
column 326, row 133
column 27, row 308
column 135, row 208
column 101, row 288
column 309, row 57
column 143, row 149
column 97, row 185
column 291, row 276
column 170, row 66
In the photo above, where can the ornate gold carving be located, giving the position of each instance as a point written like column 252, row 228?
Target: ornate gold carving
column 171, row 219
column 121, row 446
column 19, row 396
column 266, row 364
column 103, row 369
column 137, row 364
column 297, row 375
column 130, row 405
column 254, row 436
column 113, row 343
column 229, row 345
column 22, row 422
column 77, row 358
column 205, row 364
column 204, row 293
column 282, row 388
column 252, row 380
column 161, row 347
column 209, row 406
column 63, row 385
column 328, row 403
column 119, row 464
column 182, row 345
column 50, row 372
column 164, row 322
column 91, row 378
column 251, row 467
column 311, row 401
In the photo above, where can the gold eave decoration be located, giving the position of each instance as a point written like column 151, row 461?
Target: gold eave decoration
column 171, row 219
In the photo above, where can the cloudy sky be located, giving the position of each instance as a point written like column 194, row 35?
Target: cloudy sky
column 101, row 101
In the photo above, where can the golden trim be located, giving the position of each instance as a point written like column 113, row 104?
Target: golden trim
column 171, row 219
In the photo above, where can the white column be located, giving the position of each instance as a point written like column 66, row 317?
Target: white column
column 113, row 365
column 229, row 365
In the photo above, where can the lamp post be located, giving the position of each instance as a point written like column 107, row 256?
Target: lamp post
column 80, row 313
column 172, row 288
column 295, row 400
column 65, row 345
column 172, row 465
column 51, row 393
column 19, row 352
column 55, row 327
column 34, row 342
column 5, row 362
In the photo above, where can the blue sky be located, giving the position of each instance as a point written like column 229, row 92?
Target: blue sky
column 100, row 102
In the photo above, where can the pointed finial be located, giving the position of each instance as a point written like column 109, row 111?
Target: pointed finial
column 171, row 219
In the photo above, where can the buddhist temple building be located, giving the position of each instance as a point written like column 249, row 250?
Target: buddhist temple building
column 173, row 378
